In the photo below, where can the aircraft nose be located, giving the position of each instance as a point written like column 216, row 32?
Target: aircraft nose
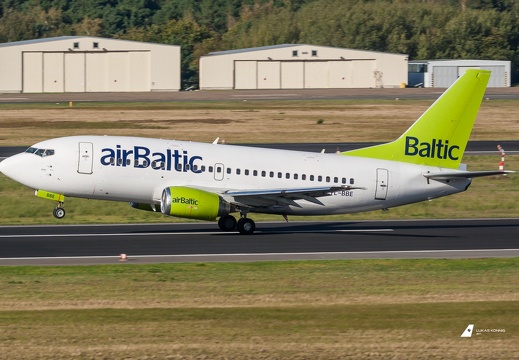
column 10, row 167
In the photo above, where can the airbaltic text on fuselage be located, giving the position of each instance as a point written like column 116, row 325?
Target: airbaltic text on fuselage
column 437, row 148
column 142, row 157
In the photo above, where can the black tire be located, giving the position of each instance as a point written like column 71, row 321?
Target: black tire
column 227, row 223
column 59, row 213
column 246, row 226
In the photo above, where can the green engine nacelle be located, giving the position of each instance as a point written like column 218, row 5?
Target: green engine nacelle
column 193, row 203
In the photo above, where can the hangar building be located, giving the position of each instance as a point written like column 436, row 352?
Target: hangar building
column 443, row 73
column 88, row 64
column 297, row 66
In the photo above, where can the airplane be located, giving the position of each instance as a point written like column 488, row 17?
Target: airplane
column 212, row 181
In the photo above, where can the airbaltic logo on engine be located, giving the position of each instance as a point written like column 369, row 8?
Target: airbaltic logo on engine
column 438, row 148
column 183, row 200
column 142, row 157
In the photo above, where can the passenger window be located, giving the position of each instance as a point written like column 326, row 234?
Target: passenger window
column 238, row 171
column 247, row 172
column 319, row 178
column 255, row 173
column 210, row 169
column 311, row 178
column 263, row 173
column 280, row 175
column 336, row 180
column 352, row 181
column 287, row 176
column 112, row 161
column 271, row 174
column 203, row 168
column 327, row 179
column 344, row 180
column 295, row 176
column 229, row 170
column 303, row 177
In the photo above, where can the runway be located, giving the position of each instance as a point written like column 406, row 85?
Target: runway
column 201, row 242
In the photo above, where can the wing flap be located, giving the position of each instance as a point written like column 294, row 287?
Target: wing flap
column 269, row 197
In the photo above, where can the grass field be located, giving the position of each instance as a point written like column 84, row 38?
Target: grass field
column 356, row 309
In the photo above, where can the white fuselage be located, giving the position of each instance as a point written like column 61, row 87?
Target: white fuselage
column 138, row 169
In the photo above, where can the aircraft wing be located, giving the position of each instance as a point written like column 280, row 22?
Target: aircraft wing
column 444, row 176
column 269, row 197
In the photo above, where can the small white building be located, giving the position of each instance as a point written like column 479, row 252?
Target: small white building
column 443, row 73
column 293, row 66
column 88, row 64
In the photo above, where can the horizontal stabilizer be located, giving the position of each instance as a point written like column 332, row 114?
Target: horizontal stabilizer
column 442, row 176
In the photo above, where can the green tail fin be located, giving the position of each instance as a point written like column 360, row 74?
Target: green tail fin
column 439, row 137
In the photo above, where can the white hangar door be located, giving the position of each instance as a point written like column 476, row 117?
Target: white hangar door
column 74, row 72
column 292, row 74
column 117, row 71
column 32, row 72
column 340, row 74
column 43, row 72
column 316, row 74
column 245, row 75
column 269, row 75
column 53, row 79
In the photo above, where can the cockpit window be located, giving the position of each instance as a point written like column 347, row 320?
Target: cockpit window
column 40, row 152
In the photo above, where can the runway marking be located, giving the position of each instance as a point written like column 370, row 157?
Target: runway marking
column 261, row 254
column 187, row 233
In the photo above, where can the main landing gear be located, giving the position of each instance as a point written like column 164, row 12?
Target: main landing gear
column 245, row 225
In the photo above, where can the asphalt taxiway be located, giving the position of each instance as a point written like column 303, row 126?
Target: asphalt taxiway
column 202, row 242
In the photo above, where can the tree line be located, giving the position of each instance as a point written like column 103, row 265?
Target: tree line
column 423, row 29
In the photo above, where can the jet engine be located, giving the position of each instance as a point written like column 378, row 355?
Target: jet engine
column 193, row 203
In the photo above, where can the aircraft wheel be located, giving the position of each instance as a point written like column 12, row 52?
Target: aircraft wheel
column 227, row 223
column 59, row 213
column 246, row 226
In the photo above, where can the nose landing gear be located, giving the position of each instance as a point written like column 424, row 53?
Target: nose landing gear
column 59, row 211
